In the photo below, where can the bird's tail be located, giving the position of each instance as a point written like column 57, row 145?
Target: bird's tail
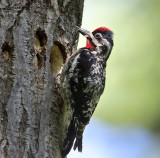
column 71, row 135
column 78, row 143
column 69, row 139
column 79, row 137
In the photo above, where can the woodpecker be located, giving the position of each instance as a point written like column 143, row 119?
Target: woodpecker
column 83, row 82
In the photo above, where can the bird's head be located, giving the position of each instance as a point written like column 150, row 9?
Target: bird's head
column 101, row 38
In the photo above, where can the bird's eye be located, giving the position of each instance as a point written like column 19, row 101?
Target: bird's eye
column 98, row 35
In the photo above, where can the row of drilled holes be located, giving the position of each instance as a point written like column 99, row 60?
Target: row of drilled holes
column 57, row 55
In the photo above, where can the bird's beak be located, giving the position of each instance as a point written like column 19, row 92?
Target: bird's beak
column 84, row 32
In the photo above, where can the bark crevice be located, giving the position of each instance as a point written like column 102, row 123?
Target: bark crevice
column 31, row 109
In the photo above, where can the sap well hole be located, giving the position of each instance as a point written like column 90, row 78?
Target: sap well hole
column 57, row 58
column 7, row 51
column 40, row 43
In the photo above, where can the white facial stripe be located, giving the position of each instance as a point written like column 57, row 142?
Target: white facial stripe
column 107, row 43
column 94, row 40
column 103, row 42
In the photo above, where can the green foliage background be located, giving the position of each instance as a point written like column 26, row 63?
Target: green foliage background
column 132, row 93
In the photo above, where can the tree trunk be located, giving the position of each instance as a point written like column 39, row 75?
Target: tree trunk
column 36, row 37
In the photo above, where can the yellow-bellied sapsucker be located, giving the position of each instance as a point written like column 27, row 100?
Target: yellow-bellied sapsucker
column 83, row 82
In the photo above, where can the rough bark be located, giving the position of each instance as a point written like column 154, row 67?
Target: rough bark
column 36, row 37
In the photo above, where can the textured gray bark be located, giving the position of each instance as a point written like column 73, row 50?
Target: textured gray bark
column 36, row 37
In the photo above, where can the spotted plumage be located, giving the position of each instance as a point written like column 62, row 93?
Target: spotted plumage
column 83, row 82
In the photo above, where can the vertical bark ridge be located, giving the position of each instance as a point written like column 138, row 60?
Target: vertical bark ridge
column 31, row 109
